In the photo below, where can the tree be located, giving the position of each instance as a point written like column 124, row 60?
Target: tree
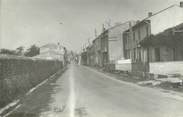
column 8, row 52
column 32, row 51
column 20, row 50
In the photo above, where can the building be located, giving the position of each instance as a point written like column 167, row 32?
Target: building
column 152, row 25
column 90, row 55
column 165, row 50
column 104, row 48
column 97, row 52
column 108, row 46
column 83, row 58
column 52, row 51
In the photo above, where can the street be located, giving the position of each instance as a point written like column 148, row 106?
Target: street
column 84, row 92
column 91, row 58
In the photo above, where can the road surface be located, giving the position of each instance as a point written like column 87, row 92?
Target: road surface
column 85, row 92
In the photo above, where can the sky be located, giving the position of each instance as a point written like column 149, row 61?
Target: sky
column 69, row 22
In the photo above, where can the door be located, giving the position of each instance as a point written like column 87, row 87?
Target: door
column 157, row 54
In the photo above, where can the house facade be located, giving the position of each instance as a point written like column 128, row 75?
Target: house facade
column 132, row 49
column 52, row 51
column 83, row 59
column 143, row 54
column 108, row 46
column 90, row 55
column 165, row 50
column 97, row 51
column 115, row 41
column 104, row 48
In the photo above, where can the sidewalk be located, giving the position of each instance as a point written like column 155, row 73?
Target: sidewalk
column 161, row 84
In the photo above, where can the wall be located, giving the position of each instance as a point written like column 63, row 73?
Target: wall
column 104, row 48
column 104, row 41
column 98, row 52
column 179, row 53
column 18, row 75
column 116, row 42
column 165, row 68
column 140, row 67
column 133, row 37
column 166, row 53
column 52, row 52
column 124, row 65
column 84, row 58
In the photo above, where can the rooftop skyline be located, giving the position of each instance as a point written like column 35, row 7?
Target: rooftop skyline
column 70, row 22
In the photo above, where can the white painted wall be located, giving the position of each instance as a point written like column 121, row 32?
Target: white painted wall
column 116, row 42
column 123, row 65
column 165, row 68
column 52, row 52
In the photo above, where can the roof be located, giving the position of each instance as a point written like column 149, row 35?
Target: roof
column 52, row 45
column 111, row 29
column 167, row 37
column 49, row 45
column 160, row 11
column 147, row 18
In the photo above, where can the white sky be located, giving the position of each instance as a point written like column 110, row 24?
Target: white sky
column 27, row 22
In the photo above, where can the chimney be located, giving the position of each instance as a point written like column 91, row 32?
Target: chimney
column 181, row 4
column 150, row 14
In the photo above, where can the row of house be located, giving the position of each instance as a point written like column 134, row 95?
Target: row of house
column 153, row 45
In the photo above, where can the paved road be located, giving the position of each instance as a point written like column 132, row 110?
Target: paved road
column 84, row 92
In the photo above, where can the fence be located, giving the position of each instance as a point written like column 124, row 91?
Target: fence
column 18, row 75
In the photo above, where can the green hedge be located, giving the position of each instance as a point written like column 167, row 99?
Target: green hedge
column 18, row 75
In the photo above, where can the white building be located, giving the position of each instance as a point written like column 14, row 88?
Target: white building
column 51, row 51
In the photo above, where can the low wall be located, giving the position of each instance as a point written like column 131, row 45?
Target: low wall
column 18, row 75
column 166, row 68
column 123, row 65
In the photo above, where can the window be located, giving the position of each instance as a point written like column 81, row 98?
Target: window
column 139, row 56
column 128, row 54
column 157, row 54
column 134, row 35
column 174, row 54
column 125, row 41
column 139, row 36
column 147, row 31
column 134, row 54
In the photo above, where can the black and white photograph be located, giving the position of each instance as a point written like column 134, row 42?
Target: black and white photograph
column 91, row 58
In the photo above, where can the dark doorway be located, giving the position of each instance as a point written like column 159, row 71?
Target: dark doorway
column 157, row 54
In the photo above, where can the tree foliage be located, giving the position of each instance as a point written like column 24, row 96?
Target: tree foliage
column 32, row 51
column 8, row 52
column 20, row 50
